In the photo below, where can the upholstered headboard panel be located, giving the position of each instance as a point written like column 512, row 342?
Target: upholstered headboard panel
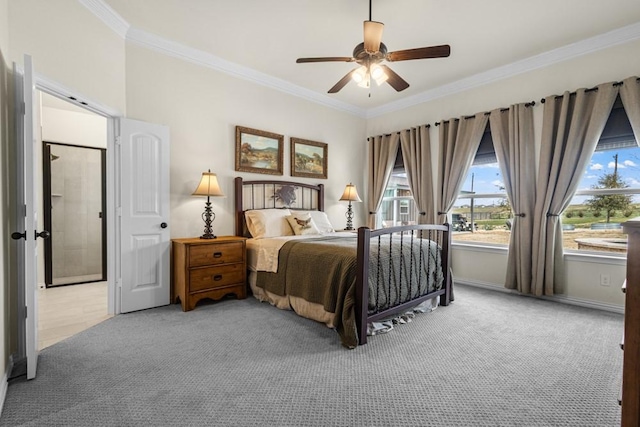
column 270, row 194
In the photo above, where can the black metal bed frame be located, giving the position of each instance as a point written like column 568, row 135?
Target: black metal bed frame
column 440, row 234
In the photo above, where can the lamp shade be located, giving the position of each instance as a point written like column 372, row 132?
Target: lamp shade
column 350, row 194
column 208, row 185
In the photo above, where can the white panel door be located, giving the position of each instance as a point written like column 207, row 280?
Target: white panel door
column 27, row 218
column 144, row 191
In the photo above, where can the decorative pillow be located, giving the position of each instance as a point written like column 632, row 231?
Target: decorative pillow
column 268, row 223
column 321, row 220
column 302, row 224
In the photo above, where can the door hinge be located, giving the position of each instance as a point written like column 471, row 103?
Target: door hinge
column 23, row 108
column 26, row 312
column 118, row 140
column 119, row 211
column 119, row 283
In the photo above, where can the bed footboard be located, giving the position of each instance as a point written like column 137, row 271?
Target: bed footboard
column 401, row 269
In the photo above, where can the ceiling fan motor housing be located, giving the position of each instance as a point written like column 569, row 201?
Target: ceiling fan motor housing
column 363, row 57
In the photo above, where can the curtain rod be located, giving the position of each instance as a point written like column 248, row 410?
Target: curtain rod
column 398, row 133
column 488, row 113
column 593, row 89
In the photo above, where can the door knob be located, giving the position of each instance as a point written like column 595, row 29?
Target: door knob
column 17, row 236
column 44, row 234
column 163, row 225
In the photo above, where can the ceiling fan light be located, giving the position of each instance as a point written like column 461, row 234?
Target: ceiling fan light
column 382, row 78
column 376, row 71
column 359, row 74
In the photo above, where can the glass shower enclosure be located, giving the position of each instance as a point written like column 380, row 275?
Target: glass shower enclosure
column 74, row 206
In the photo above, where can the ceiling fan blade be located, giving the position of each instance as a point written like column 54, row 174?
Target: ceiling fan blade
column 441, row 51
column 396, row 82
column 326, row 59
column 342, row 83
column 372, row 35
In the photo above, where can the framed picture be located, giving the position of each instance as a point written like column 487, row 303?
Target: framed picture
column 308, row 158
column 259, row 151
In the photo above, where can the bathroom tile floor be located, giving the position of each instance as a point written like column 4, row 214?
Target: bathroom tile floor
column 66, row 310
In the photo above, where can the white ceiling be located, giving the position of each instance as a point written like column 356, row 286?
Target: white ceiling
column 268, row 35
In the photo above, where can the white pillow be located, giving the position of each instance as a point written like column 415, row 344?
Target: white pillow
column 268, row 223
column 302, row 224
column 320, row 219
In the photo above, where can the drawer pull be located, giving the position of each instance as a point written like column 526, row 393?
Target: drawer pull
column 217, row 254
column 217, row 277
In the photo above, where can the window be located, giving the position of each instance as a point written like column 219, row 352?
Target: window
column 482, row 212
column 609, row 192
column 398, row 207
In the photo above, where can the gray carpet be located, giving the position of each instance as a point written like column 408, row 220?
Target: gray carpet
column 496, row 360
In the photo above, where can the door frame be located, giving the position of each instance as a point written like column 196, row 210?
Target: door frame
column 112, row 179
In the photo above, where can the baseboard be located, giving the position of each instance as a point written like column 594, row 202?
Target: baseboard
column 4, row 384
column 563, row 299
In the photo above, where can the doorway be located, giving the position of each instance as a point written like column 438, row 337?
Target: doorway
column 72, row 275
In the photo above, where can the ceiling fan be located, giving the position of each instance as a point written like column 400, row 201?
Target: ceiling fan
column 371, row 53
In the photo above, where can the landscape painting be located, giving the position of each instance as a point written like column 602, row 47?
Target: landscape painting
column 308, row 158
column 258, row 151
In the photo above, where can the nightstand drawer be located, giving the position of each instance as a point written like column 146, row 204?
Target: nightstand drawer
column 216, row 277
column 223, row 253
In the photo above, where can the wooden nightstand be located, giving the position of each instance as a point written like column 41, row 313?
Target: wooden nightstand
column 208, row 268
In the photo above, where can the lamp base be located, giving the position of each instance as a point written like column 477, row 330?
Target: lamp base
column 349, row 216
column 208, row 216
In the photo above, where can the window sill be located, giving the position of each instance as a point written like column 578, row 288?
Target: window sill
column 597, row 257
column 481, row 247
column 569, row 255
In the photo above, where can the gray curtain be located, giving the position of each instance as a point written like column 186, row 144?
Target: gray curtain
column 630, row 95
column 459, row 142
column 571, row 127
column 382, row 155
column 416, row 153
column 512, row 134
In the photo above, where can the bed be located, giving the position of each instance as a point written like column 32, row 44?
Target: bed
column 348, row 280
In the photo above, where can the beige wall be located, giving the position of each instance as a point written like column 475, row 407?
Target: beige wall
column 71, row 47
column 489, row 268
column 202, row 107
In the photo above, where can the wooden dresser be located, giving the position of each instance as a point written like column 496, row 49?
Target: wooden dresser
column 208, row 268
column 631, row 360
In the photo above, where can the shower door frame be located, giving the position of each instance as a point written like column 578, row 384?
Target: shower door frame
column 47, row 206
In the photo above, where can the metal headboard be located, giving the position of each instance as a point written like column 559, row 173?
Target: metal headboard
column 271, row 194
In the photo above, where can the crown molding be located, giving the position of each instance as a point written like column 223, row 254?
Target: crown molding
column 564, row 53
column 151, row 41
column 106, row 14
column 180, row 51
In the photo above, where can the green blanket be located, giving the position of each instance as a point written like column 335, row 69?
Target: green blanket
column 323, row 271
